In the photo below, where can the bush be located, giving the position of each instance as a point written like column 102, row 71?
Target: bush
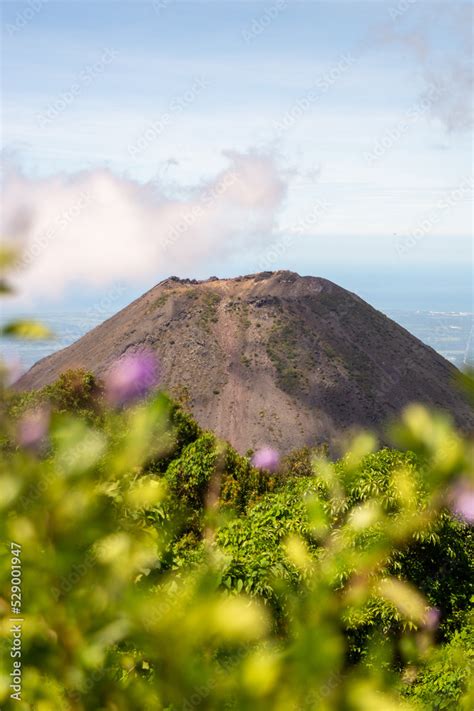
column 445, row 681
column 160, row 570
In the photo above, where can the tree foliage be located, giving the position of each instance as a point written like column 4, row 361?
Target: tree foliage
column 161, row 570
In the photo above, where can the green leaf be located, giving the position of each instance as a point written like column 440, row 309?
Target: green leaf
column 8, row 257
column 32, row 330
column 5, row 287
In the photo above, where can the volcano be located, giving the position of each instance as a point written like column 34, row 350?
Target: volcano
column 272, row 358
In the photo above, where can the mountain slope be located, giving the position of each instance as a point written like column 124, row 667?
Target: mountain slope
column 270, row 357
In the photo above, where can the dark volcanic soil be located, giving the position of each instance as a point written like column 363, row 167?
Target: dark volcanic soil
column 270, row 358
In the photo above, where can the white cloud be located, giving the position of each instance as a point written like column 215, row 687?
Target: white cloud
column 445, row 62
column 95, row 227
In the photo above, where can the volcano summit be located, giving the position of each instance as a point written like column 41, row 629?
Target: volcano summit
column 271, row 358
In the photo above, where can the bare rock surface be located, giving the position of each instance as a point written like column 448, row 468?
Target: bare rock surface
column 271, row 358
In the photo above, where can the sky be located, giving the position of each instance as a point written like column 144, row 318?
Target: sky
column 156, row 137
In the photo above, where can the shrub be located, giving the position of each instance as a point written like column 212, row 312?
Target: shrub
column 160, row 570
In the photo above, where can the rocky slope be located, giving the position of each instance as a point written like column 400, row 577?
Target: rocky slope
column 270, row 358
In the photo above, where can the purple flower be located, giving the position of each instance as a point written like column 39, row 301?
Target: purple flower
column 432, row 618
column 266, row 458
column 33, row 428
column 131, row 377
column 462, row 500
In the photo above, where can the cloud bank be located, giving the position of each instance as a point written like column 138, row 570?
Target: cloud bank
column 96, row 228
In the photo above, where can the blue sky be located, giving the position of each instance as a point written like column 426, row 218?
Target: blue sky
column 391, row 166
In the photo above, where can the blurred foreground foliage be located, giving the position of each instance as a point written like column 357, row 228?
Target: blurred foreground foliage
column 160, row 570
column 18, row 328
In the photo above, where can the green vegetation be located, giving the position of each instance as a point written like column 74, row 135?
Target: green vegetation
column 286, row 355
column 208, row 314
column 440, row 683
column 161, row 570
column 75, row 391
column 160, row 301
column 245, row 360
column 241, row 310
